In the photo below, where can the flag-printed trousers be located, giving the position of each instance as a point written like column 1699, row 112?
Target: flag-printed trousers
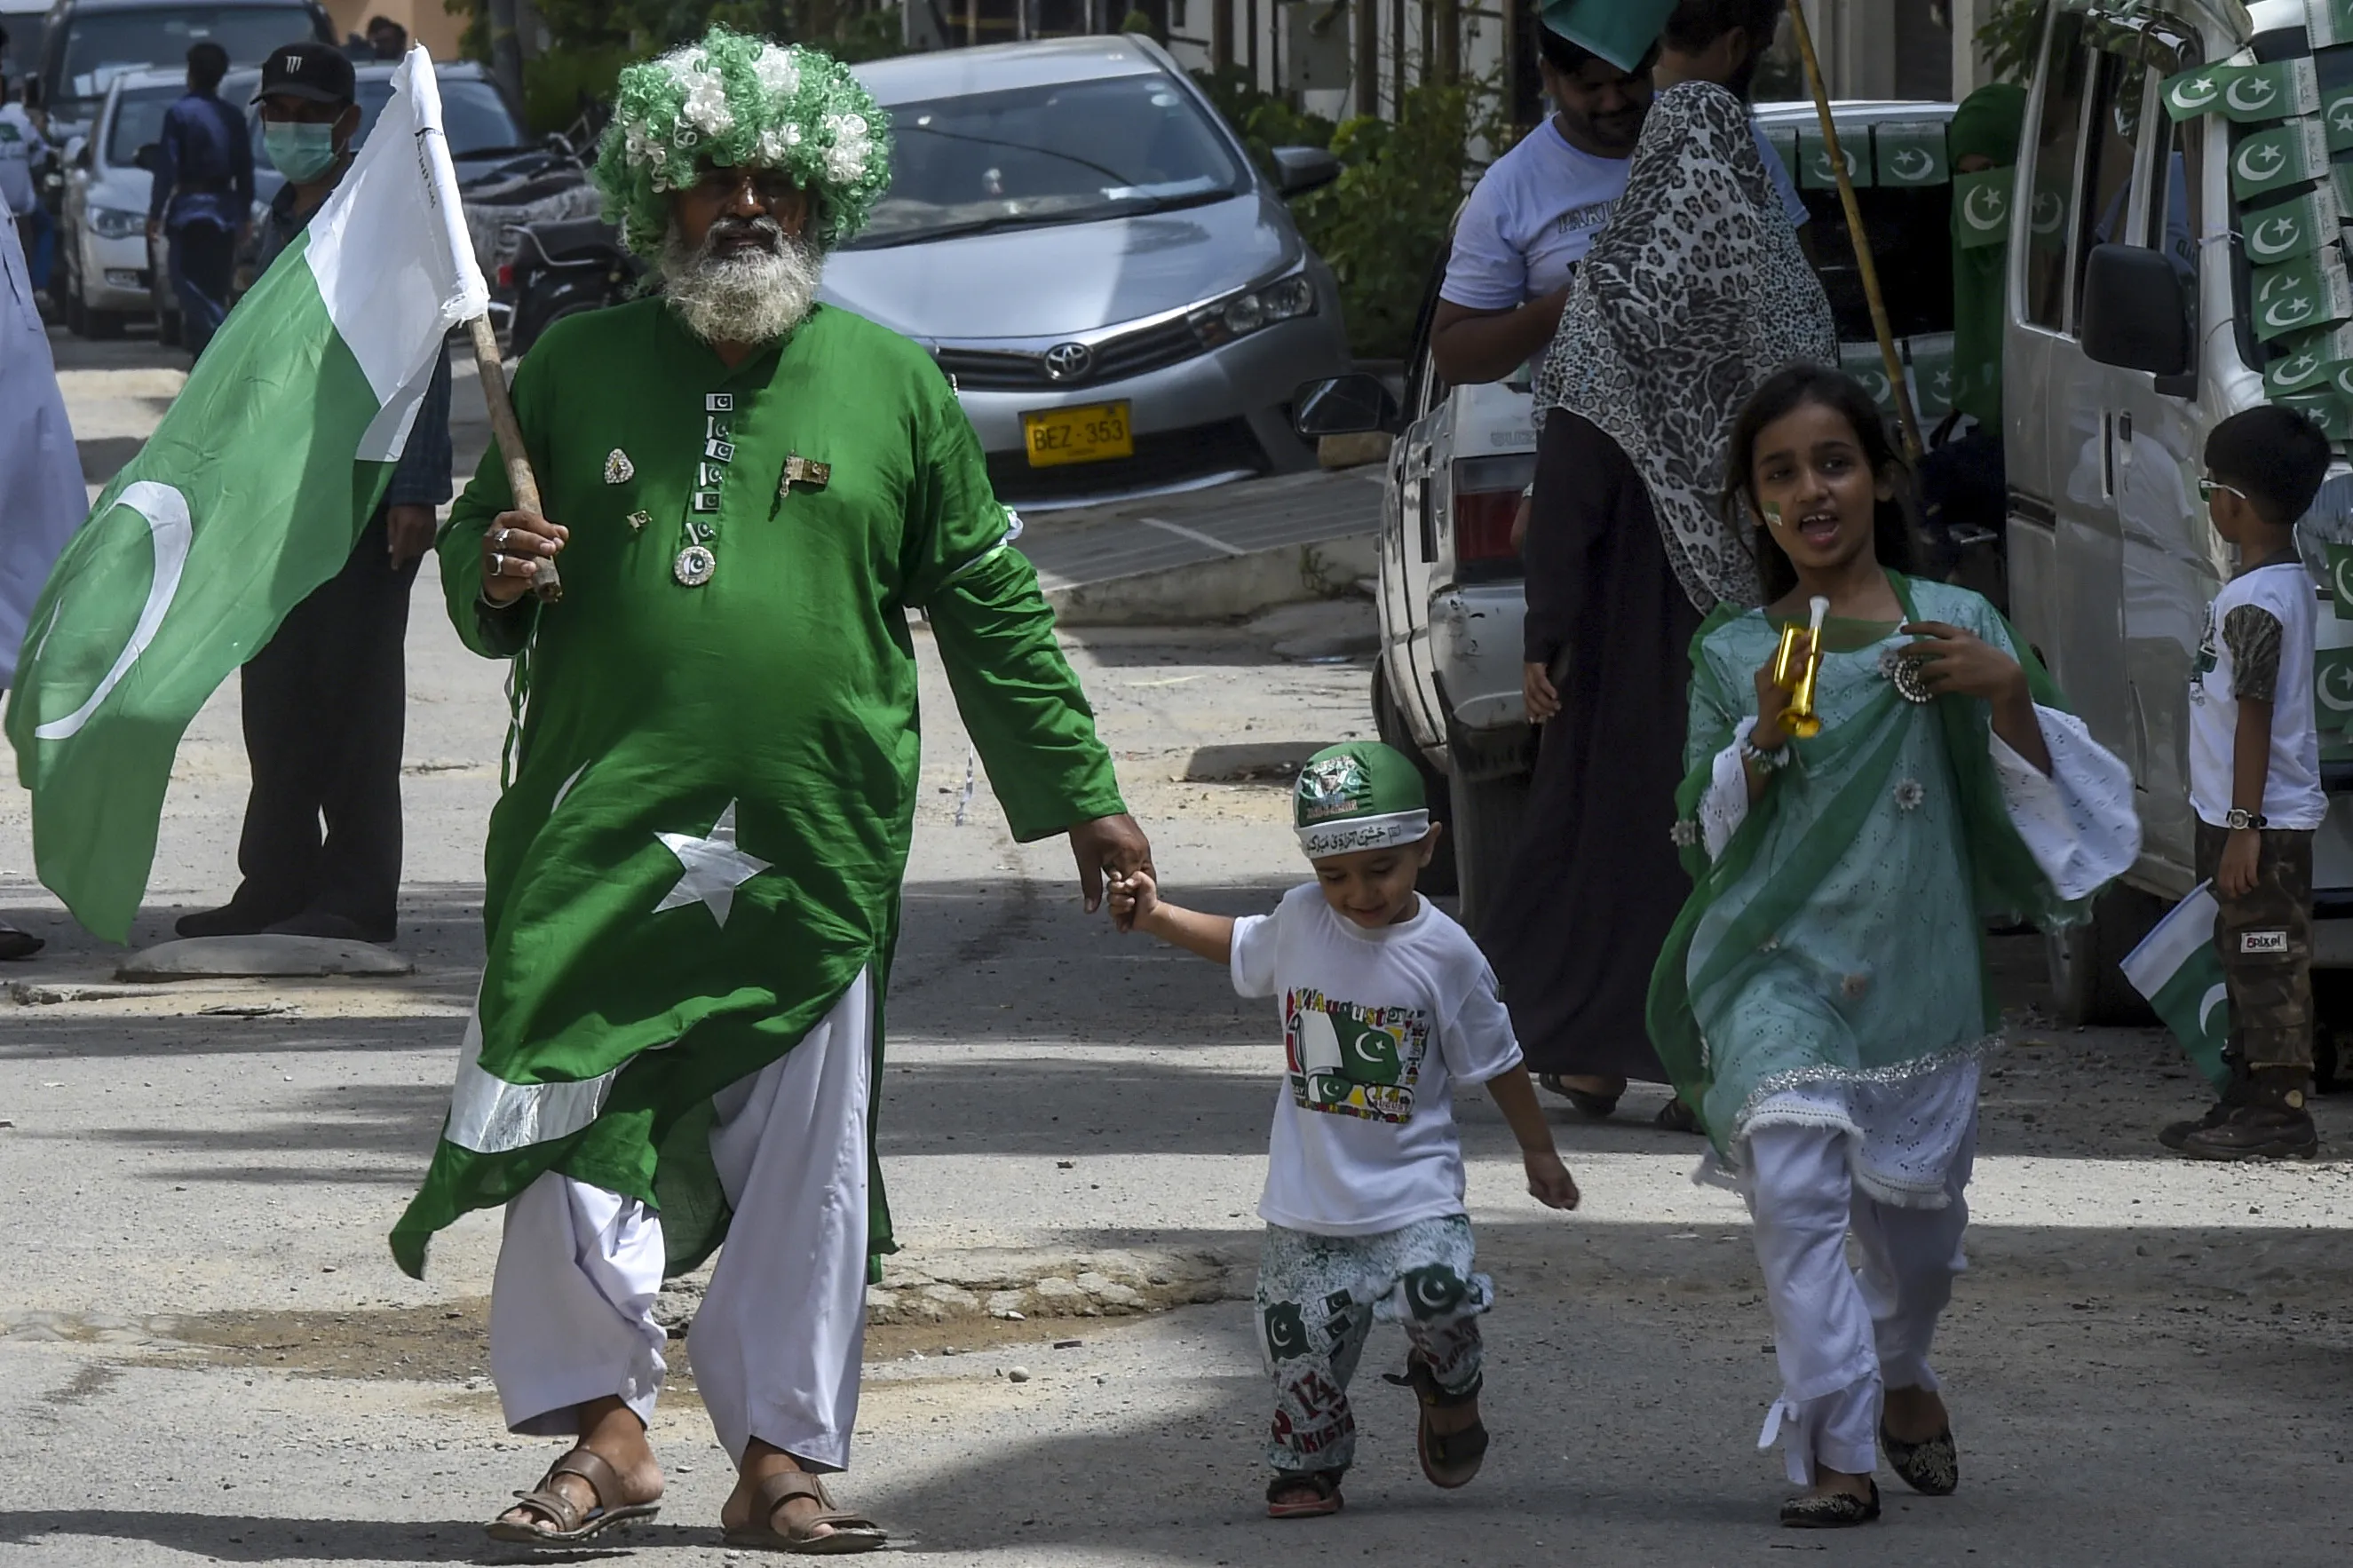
column 777, row 1337
column 1318, row 1298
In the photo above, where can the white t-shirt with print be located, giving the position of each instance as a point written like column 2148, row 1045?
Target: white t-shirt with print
column 2292, row 795
column 1538, row 210
column 1378, row 1026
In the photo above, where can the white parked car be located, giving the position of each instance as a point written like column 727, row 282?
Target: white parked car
column 1446, row 686
column 104, row 273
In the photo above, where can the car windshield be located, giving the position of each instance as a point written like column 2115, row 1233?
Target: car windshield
column 138, row 120
column 473, row 116
column 1064, row 153
column 101, row 45
column 23, row 51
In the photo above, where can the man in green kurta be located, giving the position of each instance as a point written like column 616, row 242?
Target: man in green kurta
column 692, row 882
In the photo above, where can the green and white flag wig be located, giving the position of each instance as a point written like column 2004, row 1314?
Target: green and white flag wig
column 733, row 100
column 1357, row 796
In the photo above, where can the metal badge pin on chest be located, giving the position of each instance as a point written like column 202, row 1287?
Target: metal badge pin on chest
column 694, row 565
column 618, row 469
column 800, row 470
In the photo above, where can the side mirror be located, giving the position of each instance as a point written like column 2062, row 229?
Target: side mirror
column 146, row 155
column 2134, row 314
column 1298, row 169
column 1353, row 405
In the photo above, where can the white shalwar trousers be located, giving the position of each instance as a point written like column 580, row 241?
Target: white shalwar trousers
column 1844, row 1335
column 778, row 1337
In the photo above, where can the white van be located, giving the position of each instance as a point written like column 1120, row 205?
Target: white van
column 2129, row 338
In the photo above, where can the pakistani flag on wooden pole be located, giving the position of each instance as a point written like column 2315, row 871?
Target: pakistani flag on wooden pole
column 2177, row 968
column 249, row 495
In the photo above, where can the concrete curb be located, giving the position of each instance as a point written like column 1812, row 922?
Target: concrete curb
column 1222, row 589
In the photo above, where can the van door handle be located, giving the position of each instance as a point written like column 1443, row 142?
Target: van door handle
column 2124, row 427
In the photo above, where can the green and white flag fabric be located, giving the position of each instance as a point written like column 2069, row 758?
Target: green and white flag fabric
column 2302, row 295
column 1912, row 153
column 248, row 496
column 2340, row 580
column 2288, row 229
column 2250, row 95
column 1932, row 374
column 2332, row 689
column 2328, row 23
column 2324, row 408
column 1983, row 201
column 1814, row 156
column 1869, row 366
column 2291, row 155
column 2177, row 968
column 2337, row 117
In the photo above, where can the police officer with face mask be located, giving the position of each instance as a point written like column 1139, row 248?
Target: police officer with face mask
column 324, row 701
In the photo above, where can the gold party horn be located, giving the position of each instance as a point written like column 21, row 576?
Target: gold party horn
column 1797, row 676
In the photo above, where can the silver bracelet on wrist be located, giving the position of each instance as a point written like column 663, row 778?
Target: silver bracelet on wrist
column 1768, row 761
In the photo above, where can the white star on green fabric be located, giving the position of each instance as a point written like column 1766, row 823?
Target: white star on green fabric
column 714, row 867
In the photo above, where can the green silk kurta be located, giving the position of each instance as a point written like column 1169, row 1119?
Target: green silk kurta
column 776, row 701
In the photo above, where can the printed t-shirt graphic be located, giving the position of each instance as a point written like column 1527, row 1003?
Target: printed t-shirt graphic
column 1349, row 1059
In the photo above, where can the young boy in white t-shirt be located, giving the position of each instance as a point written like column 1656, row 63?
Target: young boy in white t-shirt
column 2254, row 782
column 1385, row 1004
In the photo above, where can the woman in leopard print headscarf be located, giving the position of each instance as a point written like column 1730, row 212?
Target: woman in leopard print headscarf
column 1694, row 296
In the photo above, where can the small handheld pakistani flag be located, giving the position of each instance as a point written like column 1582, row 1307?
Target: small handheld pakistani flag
column 1358, row 796
column 2177, row 968
column 249, row 495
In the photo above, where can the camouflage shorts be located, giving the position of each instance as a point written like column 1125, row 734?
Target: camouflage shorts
column 1318, row 1298
column 2264, row 941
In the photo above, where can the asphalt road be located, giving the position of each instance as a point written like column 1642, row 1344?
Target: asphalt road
column 208, row 1355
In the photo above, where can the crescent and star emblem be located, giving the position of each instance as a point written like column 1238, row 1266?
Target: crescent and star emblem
column 2276, row 159
column 2341, row 117
column 2289, row 312
column 2340, row 582
column 1986, row 209
column 2050, row 212
column 2335, row 688
column 2275, row 236
column 166, row 511
column 1911, row 163
column 2251, row 97
column 2194, row 94
column 2215, row 997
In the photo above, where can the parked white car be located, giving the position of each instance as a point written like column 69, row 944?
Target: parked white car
column 104, row 274
column 1446, row 686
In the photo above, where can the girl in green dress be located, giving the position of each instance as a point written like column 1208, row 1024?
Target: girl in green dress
column 1823, row 998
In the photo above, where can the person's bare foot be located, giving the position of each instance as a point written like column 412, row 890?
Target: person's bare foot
column 762, row 1460
column 1838, row 1483
column 1914, row 1415
column 611, row 1430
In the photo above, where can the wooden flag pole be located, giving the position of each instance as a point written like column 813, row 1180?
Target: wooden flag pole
column 1906, row 415
column 546, row 582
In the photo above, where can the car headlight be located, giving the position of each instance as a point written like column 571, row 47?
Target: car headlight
column 1239, row 315
column 114, row 223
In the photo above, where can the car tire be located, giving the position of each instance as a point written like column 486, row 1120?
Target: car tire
column 1487, row 816
column 2087, row 977
column 1439, row 878
column 104, row 324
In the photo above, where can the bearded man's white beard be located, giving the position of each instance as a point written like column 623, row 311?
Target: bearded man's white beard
column 751, row 296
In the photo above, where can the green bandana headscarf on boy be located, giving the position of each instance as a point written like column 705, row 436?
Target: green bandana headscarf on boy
column 1357, row 796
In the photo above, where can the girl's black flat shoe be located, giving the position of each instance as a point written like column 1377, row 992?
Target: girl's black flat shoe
column 1831, row 1511
column 1932, row 1468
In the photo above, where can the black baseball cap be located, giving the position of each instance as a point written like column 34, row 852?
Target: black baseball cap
column 319, row 73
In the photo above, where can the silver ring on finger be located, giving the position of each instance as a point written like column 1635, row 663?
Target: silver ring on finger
column 498, row 566
column 499, row 540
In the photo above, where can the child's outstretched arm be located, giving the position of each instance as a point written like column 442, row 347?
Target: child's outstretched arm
column 1135, row 902
column 1549, row 1181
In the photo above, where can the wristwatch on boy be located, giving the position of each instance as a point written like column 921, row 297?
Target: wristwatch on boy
column 2241, row 819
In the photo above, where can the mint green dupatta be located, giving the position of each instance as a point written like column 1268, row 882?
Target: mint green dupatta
column 1839, row 935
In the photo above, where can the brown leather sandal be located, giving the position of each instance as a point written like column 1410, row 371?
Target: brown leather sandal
column 1449, row 1459
column 567, row 1523
column 848, row 1532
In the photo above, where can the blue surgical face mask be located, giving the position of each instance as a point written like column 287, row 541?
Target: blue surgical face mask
column 302, row 151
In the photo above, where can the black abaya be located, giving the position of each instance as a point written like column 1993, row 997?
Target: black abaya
column 1576, row 929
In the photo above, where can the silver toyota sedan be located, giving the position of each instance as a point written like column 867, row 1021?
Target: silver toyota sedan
column 1117, row 292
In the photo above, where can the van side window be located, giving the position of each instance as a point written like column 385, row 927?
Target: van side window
column 2107, row 183
column 2058, row 139
column 2176, row 208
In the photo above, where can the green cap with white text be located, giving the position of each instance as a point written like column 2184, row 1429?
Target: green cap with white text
column 1357, row 796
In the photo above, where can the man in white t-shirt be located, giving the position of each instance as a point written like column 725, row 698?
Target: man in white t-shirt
column 1538, row 208
column 1386, row 1004
column 21, row 147
column 2254, row 783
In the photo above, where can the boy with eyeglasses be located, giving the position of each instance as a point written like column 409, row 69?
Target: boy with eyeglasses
column 2254, row 782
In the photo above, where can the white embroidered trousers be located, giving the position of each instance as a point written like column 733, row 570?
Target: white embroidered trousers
column 778, row 1336
column 1844, row 1334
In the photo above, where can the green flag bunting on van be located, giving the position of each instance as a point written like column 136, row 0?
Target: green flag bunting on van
column 2308, row 366
column 2250, row 95
column 2337, row 117
column 1868, row 365
column 2332, row 689
column 1983, row 201
column 2328, row 23
column 2273, row 160
column 2311, row 292
column 2325, row 408
column 2340, row 579
column 1912, row 153
column 2177, row 968
column 1932, row 374
column 2288, row 229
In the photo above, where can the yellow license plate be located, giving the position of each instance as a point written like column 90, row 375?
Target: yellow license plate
column 1093, row 433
